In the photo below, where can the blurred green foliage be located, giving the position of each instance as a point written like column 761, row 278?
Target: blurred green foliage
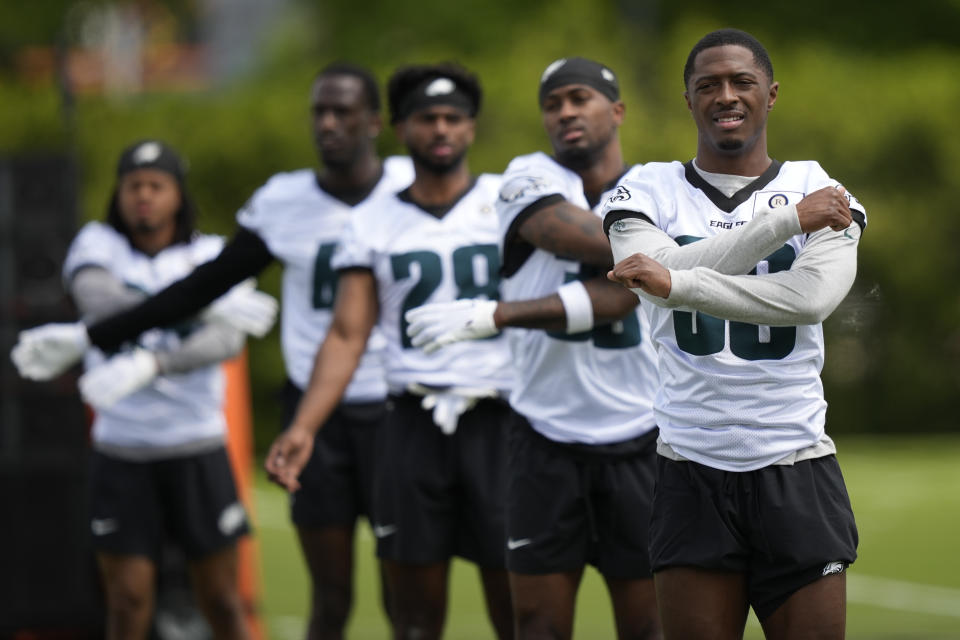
column 872, row 96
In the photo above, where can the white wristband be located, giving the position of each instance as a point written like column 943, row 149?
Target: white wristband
column 577, row 305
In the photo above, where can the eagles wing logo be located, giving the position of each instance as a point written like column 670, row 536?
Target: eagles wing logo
column 620, row 195
column 147, row 152
column 440, row 87
column 522, row 186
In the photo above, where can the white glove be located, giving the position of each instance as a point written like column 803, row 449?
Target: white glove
column 436, row 325
column 44, row 352
column 447, row 409
column 118, row 377
column 244, row 308
column 448, row 405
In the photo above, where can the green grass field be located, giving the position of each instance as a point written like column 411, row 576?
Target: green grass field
column 905, row 585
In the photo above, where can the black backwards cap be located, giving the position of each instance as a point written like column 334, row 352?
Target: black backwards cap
column 151, row 154
column 432, row 91
column 566, row 71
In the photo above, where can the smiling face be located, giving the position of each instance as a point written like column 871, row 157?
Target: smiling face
column 729, row 96
column 580, row 122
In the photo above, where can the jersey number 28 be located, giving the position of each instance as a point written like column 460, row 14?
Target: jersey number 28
column 467, row 261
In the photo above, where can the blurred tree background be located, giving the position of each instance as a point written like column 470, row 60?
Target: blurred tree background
column 870, row 93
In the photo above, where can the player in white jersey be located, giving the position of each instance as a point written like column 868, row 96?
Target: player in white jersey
column 296, row 218
column 160, row 466
column 585, row 433
column 751, row 508
column 441, row 486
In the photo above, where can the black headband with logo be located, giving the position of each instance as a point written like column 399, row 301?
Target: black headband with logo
column 151, row 154
column 434, row 91
column 566, row 71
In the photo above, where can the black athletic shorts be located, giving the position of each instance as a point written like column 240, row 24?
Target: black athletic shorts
column 336, row 485
column 439, row 495
column 190, row 500
column 572, row 504
column 784, row 526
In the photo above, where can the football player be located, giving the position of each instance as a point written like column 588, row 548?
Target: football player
column 582, row 446
column 297, row 218
column 441, row 481
column 751, row 507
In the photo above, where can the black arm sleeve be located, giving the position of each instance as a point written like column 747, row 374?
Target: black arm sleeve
column 244, row 256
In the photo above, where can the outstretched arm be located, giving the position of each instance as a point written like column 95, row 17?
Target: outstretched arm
column 608, row 303
column 95, row 289
column 354, row 315
column 244, row 256
column 100, row 294
column 576, row 307
column 44, row 352
column 130, row 371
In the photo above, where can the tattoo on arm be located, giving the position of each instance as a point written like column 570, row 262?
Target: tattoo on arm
column 568, row 231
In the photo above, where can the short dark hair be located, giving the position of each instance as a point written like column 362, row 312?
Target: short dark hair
column 407, row 79
column 723, row 37
column 370, row 88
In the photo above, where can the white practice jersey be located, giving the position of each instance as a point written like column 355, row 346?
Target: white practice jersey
column 301, row 225
column 594, row 387
column 733, row 395
column 417, row 258
column 174, row 409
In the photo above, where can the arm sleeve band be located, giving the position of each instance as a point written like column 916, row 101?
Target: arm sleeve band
column 733, row 252
column 577, row 305
column 100, row 294
column 212, row 343
column 807, row 293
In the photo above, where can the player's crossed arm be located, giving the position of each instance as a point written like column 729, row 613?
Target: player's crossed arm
column 436, row 325
column 737, row 250
column 568, row 231
column 44, row 352
column 806, row 293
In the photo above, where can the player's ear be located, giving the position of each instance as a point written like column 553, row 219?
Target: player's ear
column 686, row 97
column 619, row 110
column 375, row 125
column 772, row 95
